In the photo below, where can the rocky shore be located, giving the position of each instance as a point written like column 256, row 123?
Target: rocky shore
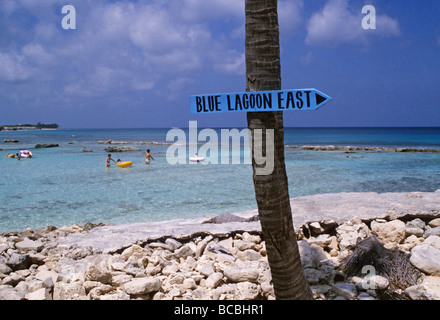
column 132, row 142
column 207, row 259
column 349, row 149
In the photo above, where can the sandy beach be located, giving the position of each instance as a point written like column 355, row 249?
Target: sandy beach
column 190, row 259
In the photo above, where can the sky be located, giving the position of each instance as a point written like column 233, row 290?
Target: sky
column 135, row 63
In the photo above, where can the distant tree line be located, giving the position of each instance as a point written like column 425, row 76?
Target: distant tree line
column 39, row 125
column 47, row 126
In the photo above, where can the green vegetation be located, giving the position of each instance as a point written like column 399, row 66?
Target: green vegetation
column 47, row 126
column 27, row 126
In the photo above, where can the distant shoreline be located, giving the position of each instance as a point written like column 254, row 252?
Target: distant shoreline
column 25, row 127
column 349, row 149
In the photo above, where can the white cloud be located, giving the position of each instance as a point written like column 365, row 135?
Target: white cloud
column 142, row 85
column 230, row 62
column 36, row 53
column 290, row 16
column 13, row 67
column 198, row 10
column 387, row 26
column 176, row 86
column 121, row 45
column 338, row 23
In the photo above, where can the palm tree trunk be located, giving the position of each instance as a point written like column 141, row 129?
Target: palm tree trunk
column 263, row 72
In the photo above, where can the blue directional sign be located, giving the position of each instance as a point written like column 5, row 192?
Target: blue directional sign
column 259, row 101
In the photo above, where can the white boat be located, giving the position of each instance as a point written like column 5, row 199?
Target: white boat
column 25, row 154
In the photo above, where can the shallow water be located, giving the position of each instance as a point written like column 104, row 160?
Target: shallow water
column 62, row 185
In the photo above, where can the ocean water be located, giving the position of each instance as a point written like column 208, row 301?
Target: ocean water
column 63, row 186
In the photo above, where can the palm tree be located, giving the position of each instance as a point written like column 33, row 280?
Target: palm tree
column 263, row 72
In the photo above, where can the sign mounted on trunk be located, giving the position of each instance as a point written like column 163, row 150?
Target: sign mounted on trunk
column 259, row 101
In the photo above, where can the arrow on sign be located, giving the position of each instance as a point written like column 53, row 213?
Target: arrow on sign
column 277, row 100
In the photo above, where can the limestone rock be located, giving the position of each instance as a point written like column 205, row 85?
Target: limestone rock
column 9, row 293
column 170, row 269
column 249, row 255
column 4, row 269
column 120, row 279
column 346, row 290
column 253, row 238
column 50, row 145
column 314, row 276
column 415, row 292
column 323, row 240
column 316, row 228
column 244, row 245
column 13, row 279
column 44, row 274
column 388, row 232
column 40, row 294
column 375, row 282
column 433, row 241
column 434, row 223
column 214, row 280
column 98, row 270
column 173, row 243
column 431, row 286
column 161, row 245
column 206, row 268
column 247, row 291
column 238, row 274
column 189, row 283
column 19, row 261
column 119, row 295
column 184, row 252
column 28, row 245
column 136, row 251
column 141, row 286
column 427, row 259
column 432, row 232
column 68, row 291
column 308, row 259
column 417, row 222
column 350, row 233
column 202, row 245
column 413, row 230
column 3, row 247
column 121, row 149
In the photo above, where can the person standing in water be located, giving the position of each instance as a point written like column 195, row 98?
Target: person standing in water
column 148, row 157
column 107, row 161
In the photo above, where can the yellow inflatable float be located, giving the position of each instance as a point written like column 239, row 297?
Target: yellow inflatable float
column 125, row 164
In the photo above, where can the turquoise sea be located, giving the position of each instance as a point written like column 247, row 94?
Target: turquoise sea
column 63, row 186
